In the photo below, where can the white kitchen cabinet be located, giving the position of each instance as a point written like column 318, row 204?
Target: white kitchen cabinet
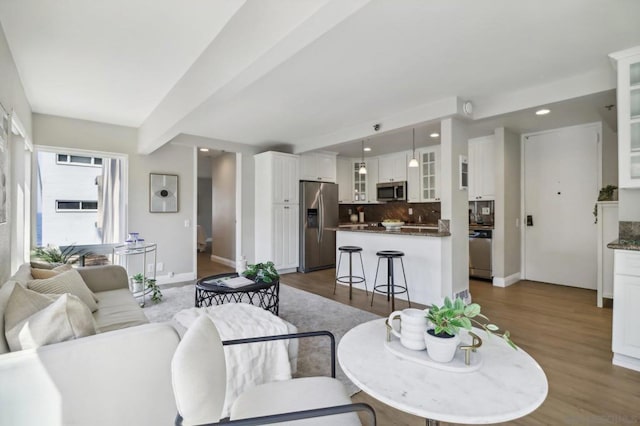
column 481, row 168
column 607, row 232
column 372, row 180
column 319, row 167
column 626, row 315
column 430, row 174
column 423, row 182
column 392, row 168
column 276, row 209
column 285, row 227
column 345, row 193
column 628, row 93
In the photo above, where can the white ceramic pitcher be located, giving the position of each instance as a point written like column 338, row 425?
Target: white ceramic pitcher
column 413, row 324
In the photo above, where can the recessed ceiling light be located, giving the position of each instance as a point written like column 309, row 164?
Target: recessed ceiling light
column 543, row 111
column 204, row 149
column 434, row 134
column 367, row 149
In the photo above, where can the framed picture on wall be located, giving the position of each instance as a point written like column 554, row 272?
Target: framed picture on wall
column 163, row 193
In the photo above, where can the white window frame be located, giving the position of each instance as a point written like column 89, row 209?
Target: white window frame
column 92, row 159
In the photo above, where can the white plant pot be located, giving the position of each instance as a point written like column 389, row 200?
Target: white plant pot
column 136, row 286
column 441, row 349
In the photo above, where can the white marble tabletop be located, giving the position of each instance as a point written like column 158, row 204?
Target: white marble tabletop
column 510, row 384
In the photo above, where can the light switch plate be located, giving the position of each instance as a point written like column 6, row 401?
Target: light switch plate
column 486, row 210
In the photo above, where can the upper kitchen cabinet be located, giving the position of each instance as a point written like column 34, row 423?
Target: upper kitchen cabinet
column 481, row 168
column 628, row 66
column 277, row 173
column 318, row 166
column 392, row 168
column 423, row 182
column 354, row 187
column 430, row 174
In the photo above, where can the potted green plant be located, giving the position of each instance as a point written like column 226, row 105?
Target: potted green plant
column 607, row 193
column 55, row 256
column 442, row 340
column 139, row 281
column 265, row 272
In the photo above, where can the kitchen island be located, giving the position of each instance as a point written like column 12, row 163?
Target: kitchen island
column 423, row 259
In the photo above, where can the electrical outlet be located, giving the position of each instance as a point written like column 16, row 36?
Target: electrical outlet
column 159, row 266
column 486, row 210
column 410, row 211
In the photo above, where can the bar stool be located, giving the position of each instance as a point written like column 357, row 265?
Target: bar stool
column 350, row 279
column 390, row 288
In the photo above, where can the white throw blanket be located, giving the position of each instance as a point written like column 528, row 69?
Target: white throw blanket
column 251, row 364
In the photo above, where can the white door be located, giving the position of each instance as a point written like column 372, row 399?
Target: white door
column 561, row 175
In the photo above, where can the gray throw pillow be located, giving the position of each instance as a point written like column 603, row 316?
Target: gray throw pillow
column 66, row 282
column 33, row 319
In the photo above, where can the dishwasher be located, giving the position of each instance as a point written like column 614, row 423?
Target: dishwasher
column 480, row 253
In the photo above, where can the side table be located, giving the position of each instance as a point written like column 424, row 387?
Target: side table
column 264, row 295
column 126, row 254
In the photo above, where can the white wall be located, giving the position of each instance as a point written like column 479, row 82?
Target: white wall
column 609, row 156
column 506, row 234
column 12, row 97
column 223, row 183
column 454, row 206
column 176, row 243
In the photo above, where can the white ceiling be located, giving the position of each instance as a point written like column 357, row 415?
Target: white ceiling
column 313, row 74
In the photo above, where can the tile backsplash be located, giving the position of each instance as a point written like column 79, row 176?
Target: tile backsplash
column 629, row 231
column 422, row 212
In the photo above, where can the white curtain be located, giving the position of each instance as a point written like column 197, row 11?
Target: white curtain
column 109, row 201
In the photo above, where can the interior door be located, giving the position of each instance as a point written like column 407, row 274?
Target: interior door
column 561, row 175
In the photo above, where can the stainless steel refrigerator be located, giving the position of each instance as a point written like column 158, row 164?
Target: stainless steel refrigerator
column 318, row 210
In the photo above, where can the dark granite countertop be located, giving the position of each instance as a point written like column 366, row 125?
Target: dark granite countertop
column 403, row 231
column 621, row 244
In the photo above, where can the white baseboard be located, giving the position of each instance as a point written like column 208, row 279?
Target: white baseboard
column 507, row 281
column 176, row 278
column 626, row 361
column 223, row 260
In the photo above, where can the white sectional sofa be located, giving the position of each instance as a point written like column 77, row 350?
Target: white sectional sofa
column 122, row 375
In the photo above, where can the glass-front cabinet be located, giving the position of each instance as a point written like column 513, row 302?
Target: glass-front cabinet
column 430, row 169
column 627, row 63
column 359, row 183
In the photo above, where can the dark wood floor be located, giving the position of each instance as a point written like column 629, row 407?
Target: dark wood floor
column 561, row 327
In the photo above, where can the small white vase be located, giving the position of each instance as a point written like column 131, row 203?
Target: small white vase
column 361, row 215
column 441, row 349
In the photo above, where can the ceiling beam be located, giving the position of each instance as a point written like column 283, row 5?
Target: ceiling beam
column 257, row 39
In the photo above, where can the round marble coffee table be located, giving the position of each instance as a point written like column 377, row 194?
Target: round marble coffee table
column 509, row 384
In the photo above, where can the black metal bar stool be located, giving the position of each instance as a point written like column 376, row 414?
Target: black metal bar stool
column 390, row 288
column 350, row 279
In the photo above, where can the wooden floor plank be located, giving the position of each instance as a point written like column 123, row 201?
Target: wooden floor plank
column 559, row 326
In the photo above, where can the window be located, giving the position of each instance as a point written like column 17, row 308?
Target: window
column 78, row 160
column 74, row 206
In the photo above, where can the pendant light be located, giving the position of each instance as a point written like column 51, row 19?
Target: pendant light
column 363, row 167
column 414, row 162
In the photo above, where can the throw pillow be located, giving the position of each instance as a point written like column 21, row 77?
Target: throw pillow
column 40, row 274
column 33, row 319
column 66, row 282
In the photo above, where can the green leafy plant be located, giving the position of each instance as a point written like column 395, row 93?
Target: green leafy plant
column 151, row 284
column 452, row 316
column 265, row 272
column 605, row 194
column 53, row 254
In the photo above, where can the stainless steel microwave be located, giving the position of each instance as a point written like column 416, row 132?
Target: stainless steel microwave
column 392, row 191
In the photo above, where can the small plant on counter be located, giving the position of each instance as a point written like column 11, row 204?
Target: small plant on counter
column 452, row 316
column 265, row 272
column 606, row 194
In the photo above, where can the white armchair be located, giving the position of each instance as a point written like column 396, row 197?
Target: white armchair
column 199, row 382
